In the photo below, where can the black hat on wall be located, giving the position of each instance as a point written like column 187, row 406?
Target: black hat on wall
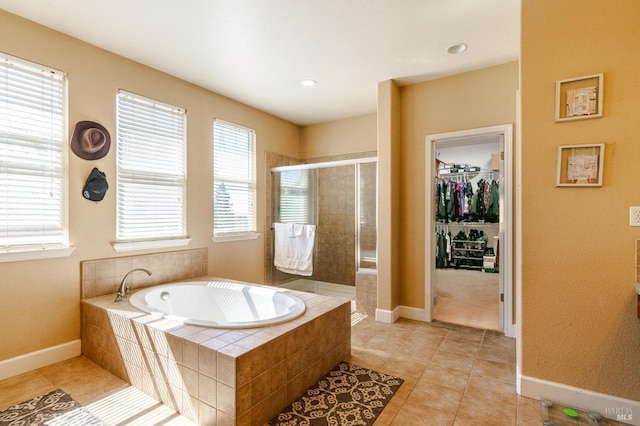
column 96, row 186
column 90, row 140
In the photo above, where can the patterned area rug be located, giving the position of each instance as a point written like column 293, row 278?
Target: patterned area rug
column 347, row 395
column 56, row 408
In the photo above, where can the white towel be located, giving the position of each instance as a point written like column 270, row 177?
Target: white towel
column 293, row 245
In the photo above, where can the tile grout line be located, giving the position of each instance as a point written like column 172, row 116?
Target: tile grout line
column 475, row 357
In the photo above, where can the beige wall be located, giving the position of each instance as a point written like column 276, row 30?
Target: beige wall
column 579, row 324
column 39, row 306
column 388, row 257
column 482, row 98
column 339, row 137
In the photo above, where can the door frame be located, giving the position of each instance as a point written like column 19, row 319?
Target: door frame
column 506, row 230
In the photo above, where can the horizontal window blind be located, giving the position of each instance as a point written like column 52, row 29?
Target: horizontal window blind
column 234, row 179
column 32, row 156
column 151, row 147
column 294, row 196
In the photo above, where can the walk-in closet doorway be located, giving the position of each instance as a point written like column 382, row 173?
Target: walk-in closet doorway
column 461, row 241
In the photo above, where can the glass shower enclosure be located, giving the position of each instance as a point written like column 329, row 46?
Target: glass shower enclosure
column 339, row 197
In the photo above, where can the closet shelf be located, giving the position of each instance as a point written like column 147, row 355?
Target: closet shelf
column 468, row 267
column 470, row 224
column 482, row 173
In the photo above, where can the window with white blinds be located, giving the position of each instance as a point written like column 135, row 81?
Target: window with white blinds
column 32, row 156
column 295, row 196
column 234, row 181
column 151, row 164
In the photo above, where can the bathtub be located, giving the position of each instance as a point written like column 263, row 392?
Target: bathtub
column 219, row 304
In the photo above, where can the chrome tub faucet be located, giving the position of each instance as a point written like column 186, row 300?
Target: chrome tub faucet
column 124, row 289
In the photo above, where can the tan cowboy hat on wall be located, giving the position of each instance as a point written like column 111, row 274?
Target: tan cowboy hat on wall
column 90, row 140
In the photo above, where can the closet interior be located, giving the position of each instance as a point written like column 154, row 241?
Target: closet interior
column 467, row 212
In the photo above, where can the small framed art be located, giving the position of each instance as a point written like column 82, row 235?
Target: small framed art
column 580, row 165
column 579, row 98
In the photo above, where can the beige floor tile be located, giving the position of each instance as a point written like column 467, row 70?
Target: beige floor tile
column 454, row 360
column 448, row 377
column 402, row 366
column 434, row 395
column 422, row 416
column 497, row 370
column 528, row 412
column 488, row 398
column 372, row 358
column 23, row 387
column 466, row 333
column 497, row 354
column 390, row 411
column 83, row 379
column 465, row 347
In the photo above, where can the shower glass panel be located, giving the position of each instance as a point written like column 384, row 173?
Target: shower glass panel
column 367, row 221
column 294, row 195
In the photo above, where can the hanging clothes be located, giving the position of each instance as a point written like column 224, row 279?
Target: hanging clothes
column 441, row 250
column 480, row 209
column 493, row 212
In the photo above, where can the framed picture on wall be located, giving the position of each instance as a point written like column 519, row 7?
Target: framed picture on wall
column 579, row 98
column 580, row 165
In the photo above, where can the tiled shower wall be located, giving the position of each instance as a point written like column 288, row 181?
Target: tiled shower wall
column 103, row 276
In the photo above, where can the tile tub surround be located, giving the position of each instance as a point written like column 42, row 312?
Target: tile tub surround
column 218, row 376
column 103, row 276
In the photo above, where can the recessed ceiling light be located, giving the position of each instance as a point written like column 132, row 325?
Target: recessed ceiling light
column 457, row 48
column 308, row 82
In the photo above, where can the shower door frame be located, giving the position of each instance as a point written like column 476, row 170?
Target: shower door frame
column 326, row 164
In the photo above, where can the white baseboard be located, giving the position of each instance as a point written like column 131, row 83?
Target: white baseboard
column 610, row 407
column 386, row 316
column 400, row 311
column 411, row 313
column 34, row 360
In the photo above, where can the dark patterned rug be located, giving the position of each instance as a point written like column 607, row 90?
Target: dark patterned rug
column 55, row 408
column 347, row 395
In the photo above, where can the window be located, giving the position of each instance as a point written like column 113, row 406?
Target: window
column 296, row 198
column 33, row 215
column 234, row 182
column 150, row 173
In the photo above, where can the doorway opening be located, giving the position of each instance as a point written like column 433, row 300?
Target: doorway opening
column 468, row 221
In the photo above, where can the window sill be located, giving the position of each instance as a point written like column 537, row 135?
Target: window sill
column 35, row 253
column 150, row 245
column 236, row 237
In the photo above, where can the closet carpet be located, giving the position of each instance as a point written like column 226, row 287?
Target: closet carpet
column 468, row 297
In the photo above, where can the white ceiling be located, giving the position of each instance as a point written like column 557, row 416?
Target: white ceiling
column 258, row 51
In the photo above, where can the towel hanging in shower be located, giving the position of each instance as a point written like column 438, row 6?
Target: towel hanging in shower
column 293, row 248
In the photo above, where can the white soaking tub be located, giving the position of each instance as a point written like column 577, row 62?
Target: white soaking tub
column 219, row 304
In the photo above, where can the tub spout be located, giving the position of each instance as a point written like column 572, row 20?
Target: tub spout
column 123, row 290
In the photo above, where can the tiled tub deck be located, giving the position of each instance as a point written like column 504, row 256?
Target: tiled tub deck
column 218, row 376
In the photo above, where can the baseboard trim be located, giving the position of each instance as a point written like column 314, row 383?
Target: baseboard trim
column 34, row 360
column 387, row 316
column 412, row 313
column 400, row 311
column 610, row 407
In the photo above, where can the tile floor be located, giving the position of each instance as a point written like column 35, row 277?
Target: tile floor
column 454, row 375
